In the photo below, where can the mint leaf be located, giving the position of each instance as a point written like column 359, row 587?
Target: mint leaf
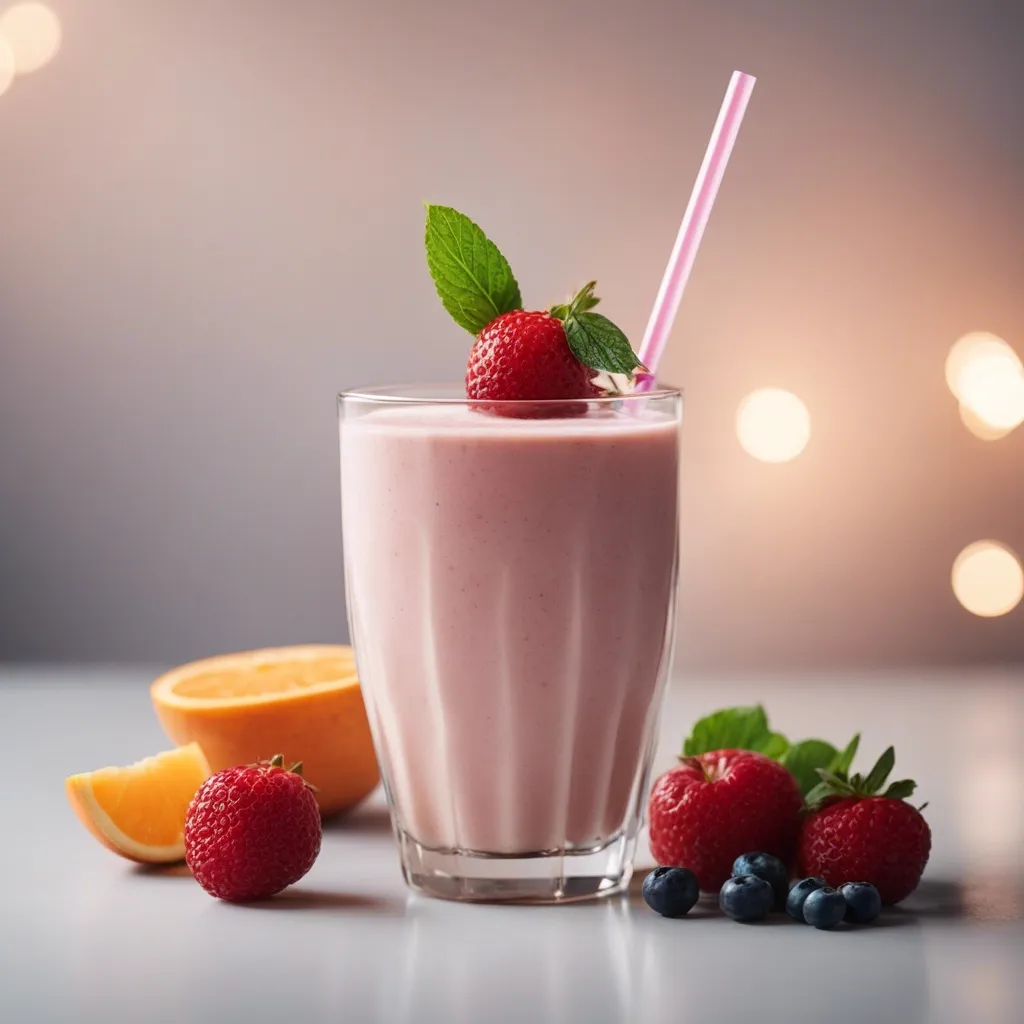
column 473, row 279
column 775, row 746
column 596, row 342
column 844, row 760
column 804, row 759
column 743, row 728
column 877, row 776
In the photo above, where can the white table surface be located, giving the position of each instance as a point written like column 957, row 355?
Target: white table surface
column 85, row 936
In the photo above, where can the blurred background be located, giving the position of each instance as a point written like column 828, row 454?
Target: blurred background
column 211, row 222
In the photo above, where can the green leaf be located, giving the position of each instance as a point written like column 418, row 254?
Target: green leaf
column 582, row 301
column 844, row 759
column 877, row 776
column 596, row 342
column 901, row 790
column 822, row 791
column 742, row 728
column 804, row 759
column 775, row 746
column 836, row 783
column 830, row 785
column 473, row 279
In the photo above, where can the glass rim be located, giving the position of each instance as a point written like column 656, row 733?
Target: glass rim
column 430, row 394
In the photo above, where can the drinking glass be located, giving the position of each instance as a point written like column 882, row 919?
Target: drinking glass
column 510, row 573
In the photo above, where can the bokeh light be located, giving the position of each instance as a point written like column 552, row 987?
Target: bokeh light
column 6, row 67
column 979, row 428
column 986, row 376
column 32, row 31
column 988, row 579
column 773, row 425
column 996, row 397
column 978, row 352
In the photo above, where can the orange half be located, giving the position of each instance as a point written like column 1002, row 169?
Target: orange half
column 303, row 702
column 139, row 810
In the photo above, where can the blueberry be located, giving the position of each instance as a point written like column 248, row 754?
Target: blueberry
column 863, row 904
column 765, row 866
column 671, row 892
column 800, row 891
column 824, row 908
column 746, row 898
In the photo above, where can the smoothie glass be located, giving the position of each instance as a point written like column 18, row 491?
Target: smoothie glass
column 510, row 571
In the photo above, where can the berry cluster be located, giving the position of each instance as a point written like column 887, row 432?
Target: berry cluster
column 759, row 884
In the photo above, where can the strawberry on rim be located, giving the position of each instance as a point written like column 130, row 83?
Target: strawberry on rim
column 519, row 355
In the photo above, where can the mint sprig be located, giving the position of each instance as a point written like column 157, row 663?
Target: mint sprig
column 743, row 728
column 593, row 339
column 473, row 279
column 805, row 758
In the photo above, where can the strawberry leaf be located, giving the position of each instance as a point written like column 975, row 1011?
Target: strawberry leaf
column 837, row 783
column 473, row 279
column 583, row 300
column 877, row 776
column 901, row 790
column 844, row 759
column 822, row 791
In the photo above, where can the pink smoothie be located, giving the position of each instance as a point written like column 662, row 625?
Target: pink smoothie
column 510, row 594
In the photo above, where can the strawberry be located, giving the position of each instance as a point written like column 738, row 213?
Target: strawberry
column 523, row 355
column 856, row 833
column 253, row 830
column 713, row 807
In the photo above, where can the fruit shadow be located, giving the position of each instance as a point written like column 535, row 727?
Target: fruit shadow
column 326, row 901
column 935, row 898
column 987, row 897
column 180, row 870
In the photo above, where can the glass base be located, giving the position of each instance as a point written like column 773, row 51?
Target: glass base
column 544, row 877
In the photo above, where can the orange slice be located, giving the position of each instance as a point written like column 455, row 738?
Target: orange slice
column 301, row 702
column 139, row 811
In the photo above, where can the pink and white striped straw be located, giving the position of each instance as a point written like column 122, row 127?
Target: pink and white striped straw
column 684, row 252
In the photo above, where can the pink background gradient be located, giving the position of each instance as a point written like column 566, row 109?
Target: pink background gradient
column 211, row 219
